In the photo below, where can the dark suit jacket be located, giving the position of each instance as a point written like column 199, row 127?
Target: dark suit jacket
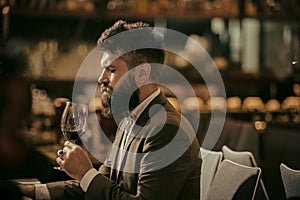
column 161, row 161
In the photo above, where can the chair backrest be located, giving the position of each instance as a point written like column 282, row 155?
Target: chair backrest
column 244, row 158
column 210, row 163
column 234, row 181
column 291, row 181
column 241, row 157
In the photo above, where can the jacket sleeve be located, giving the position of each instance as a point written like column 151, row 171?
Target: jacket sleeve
column 65, row 190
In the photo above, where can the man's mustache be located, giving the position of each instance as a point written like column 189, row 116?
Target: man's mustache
column 104, row 88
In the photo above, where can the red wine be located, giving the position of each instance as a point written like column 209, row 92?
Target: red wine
column 71, row 135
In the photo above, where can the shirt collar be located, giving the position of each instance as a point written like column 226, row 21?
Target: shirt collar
column 137, row 111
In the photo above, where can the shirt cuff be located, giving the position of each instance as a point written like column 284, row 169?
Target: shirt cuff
column 42, row 192
column 87, row 179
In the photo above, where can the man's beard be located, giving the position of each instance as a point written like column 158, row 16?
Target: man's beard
column 106, row 94
column 115, row 104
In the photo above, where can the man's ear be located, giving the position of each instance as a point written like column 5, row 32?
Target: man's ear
column 142, row 73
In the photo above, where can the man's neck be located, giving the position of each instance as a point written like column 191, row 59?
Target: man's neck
column 146, row 90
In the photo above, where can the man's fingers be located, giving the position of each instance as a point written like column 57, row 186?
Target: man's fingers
column 69, row 144
column 59, row 161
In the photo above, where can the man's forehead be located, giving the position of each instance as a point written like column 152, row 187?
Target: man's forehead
column 108, row 58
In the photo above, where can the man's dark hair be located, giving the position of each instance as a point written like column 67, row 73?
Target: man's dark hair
column 138, row 56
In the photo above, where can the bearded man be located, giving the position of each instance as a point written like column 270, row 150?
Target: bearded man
column 155, row 152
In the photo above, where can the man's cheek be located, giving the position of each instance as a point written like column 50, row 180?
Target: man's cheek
column 125, row 85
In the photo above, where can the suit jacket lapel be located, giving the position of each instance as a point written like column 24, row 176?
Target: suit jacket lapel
column 143, row 119
column 116, row 152
column 138, row 126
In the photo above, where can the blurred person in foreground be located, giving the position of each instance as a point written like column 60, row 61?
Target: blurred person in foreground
column 18, row 157
column 139, row 166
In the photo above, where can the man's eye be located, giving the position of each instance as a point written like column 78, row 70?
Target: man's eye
column 112, row 70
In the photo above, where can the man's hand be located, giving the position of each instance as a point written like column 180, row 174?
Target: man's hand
column 75, row 161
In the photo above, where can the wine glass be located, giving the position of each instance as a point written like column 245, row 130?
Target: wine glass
column 74, row 121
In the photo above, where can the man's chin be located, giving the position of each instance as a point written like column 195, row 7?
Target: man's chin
column 106, row 95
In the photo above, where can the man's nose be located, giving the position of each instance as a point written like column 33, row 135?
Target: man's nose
column 103, row 78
